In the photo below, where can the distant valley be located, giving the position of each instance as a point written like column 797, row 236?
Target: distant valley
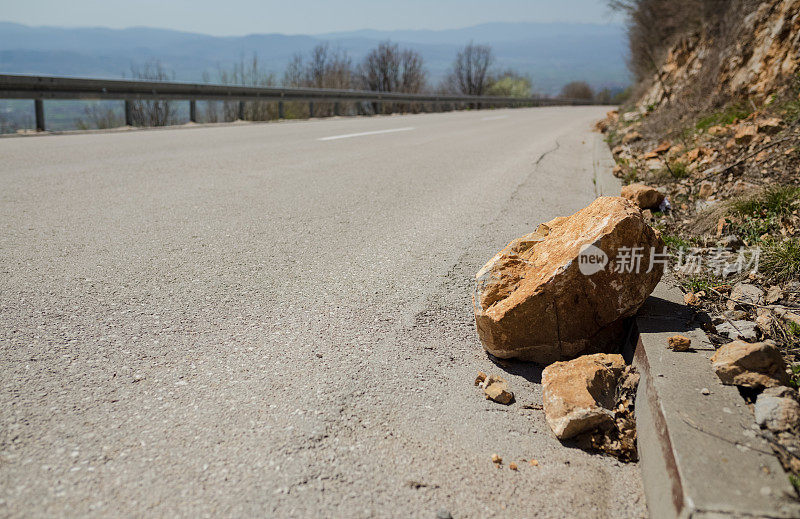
column 551, row 54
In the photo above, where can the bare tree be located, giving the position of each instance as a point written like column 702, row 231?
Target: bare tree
column 100, row 116
column 655, row 25
column 577, row 90
column 387, row 68
column 155, row 112
column 324, row 68
column 244, row 73
column 470, row 73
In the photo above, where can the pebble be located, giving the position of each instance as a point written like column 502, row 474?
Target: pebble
column 705, row 391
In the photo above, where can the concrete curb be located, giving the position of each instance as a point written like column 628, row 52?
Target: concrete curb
column 700, row 455
column 605, row 183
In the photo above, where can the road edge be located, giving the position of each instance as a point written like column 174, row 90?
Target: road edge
column 700, row 454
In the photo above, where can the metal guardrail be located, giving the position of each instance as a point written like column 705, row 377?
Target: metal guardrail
column 40, row 88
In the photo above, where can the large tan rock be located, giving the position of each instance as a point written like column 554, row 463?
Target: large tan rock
column 579, row 395
column 565, row 289
column 642, row 195
column 754, row 365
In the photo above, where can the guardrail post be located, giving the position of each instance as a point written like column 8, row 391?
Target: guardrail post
column 337, row 108
column 193, row 111
column 310, row 109
column 128, row 113
column 38, row 105
column 281, row 110
column 241, row 110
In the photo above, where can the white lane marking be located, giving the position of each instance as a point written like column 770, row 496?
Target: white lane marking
column 495, row 118
column 362, row 134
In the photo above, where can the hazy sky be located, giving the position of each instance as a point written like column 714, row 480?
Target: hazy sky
column 237, row 17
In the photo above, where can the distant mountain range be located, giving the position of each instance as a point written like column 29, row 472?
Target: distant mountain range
column 552, row 54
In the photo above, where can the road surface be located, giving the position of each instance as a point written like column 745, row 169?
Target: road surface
column 275, row 320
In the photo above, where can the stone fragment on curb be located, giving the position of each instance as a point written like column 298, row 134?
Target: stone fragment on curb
column 691, row 299
column 513, row 466
column 497, row 389
column 756, row 366
column 556, row 293
column 739, row 330
column 644, row 196
column 778, row 409
column 579, row 395
column 679, row 343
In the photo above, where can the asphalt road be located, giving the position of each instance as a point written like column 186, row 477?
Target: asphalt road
column 275, row 320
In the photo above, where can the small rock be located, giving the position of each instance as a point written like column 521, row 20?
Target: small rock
column 497, row 460
column 705, row 391
column 764, row 322
column 747, row 294
column 480, row 379
column 691, row 299
column 644, row 196
column 629, row 117
column 579, row 395
column 496, row 389
column 443, row 514
column 696, row 154
column 769, row 126
column 774, row 295
column 631, row 137
column 534, row 463
column 706, row 190
column 680, row 343
column 512, row 466
column 653, row 164
column 663, row 147
column 745, row 133
column 777, row 409
column 739, row 330
column 755, row 366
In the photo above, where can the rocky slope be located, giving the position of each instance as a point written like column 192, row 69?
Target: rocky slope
column 715, row 132
column 762, row 55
